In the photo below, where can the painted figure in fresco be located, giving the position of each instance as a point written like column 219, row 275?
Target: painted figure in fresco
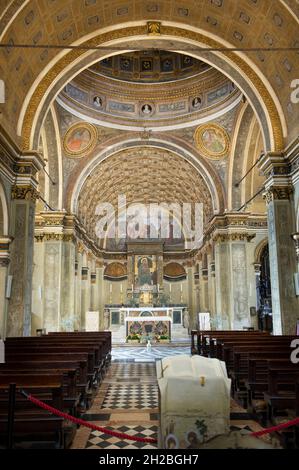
column 193, row 440
column 144, row 272
column 213, row 140
column 97, row 101
column 78, row 140
column 171, row 442
column 196, row 103
column 146, row 109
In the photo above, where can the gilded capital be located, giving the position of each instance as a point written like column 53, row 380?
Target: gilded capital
column 276, row 193
column 27, row 193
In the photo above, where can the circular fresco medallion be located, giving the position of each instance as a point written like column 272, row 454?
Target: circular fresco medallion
column 80, row 139
column 212, row 141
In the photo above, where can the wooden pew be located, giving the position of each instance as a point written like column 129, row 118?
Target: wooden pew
column 31, row 423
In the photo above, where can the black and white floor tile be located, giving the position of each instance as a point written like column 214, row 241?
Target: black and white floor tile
column 134, row 396
column 99, row 440
column 133, row 369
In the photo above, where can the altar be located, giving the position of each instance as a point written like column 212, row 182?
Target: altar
column 148, row 322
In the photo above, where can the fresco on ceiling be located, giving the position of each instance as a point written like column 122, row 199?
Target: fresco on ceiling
column 212, row 140
column 79, row 139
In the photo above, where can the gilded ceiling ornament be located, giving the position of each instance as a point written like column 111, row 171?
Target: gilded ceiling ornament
column 154, row 27
column 80, row 139
column 212, row 141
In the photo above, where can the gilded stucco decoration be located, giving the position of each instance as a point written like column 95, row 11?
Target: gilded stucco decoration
column 58, row 68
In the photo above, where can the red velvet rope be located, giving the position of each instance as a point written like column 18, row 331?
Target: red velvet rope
column 293, row 422
column 148, row 440
column 68, row 417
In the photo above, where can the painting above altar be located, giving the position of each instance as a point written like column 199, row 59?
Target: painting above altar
column 145, row 271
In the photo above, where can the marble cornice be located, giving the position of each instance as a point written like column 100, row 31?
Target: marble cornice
column 235, row 222
column 19, row 167
column 281, row 168
column 4, row 251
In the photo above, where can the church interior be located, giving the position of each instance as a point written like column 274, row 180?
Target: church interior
column 149, row 223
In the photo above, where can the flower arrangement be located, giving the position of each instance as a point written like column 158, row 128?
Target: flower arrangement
column 162, row 338
column 133, row 337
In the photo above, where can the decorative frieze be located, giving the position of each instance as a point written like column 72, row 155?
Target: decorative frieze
column 55, row 237
column 233, row 237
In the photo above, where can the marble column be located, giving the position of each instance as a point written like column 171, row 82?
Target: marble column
column 67, row 297
column 21, row 266
column 285, row 304
column 232, row 281
column 4, row 263
column 52, row 284
column 240, row 286
column 191, row 297
column 211, row 283
column 85, row 294
column 101, row 296
column 223, row 285
column 204, row 287
column 93, row 291
column 78, row 280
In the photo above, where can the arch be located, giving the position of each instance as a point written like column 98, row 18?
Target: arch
column 4, row 214
column 115, row 271
column 255, row 86
column 259, row 250
column 202, row 166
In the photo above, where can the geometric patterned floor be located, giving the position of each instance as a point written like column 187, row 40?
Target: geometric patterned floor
column 127, row 401
column 140, row 354
column 98, row 440
column 135, row 396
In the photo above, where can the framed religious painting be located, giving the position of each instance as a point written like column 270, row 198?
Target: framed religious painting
column 212, row 141
column 80, row 139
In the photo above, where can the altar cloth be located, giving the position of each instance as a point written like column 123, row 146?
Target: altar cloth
column 194, row 401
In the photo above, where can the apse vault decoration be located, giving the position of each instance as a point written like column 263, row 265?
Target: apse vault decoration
column 212, row 141
column 80, row 139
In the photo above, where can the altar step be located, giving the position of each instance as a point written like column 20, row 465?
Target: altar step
column 118, row 334
column 179, row 333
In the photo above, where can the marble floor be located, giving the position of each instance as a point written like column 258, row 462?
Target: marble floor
column 127, row 401
column 142, row 354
